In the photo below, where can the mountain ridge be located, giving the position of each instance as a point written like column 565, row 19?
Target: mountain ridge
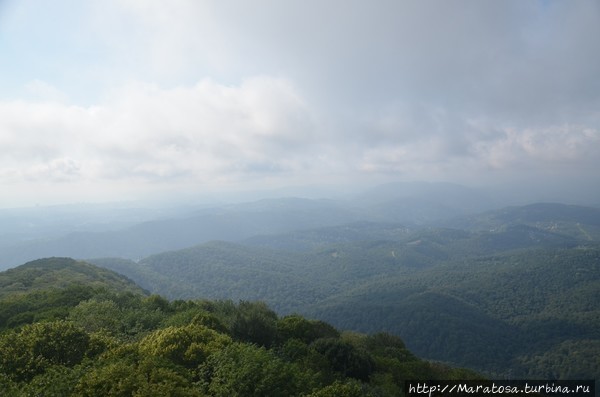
column 363, row 276
column 90, row 341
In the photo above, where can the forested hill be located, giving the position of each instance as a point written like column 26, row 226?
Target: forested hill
column 568, row 220
column 43, row 274
column 514, row 291
column 519, row 298
column 70, row 328
column 47, row 288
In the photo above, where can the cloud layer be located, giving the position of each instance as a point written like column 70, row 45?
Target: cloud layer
column 129, row 96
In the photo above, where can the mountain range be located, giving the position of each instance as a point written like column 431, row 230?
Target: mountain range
column 519, row 295
column 134, row 231
column 69, row 328
column 509, row 291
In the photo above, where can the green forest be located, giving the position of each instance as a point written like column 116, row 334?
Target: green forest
column 353, row 309
column 69, row 328
column 514, row 292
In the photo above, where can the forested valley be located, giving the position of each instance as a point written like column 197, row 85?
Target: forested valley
column 71, row 328
column 509, row 293
column 339, row 298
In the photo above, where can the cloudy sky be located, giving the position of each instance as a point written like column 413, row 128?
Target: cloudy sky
column 125, row 99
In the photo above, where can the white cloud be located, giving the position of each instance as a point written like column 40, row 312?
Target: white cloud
column 261, row 131
column 145, row 92
column 548, row 147
column 196, row 133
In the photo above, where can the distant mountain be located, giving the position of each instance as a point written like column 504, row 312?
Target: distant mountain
column 23, row 224
column 451, row 241
column 550, row 213
column 473, row 297
column 568, row 220
column 289, row 270
column 230, row 223
column 126, row 231
column 423, row 202
column 517, row 287
column 310, row 239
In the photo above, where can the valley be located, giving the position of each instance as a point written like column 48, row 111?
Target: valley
column 514, row 290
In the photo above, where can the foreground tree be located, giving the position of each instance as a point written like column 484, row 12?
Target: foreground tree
column 37, row 347
column 248, row 370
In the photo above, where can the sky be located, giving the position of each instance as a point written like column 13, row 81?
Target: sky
column 128, row 99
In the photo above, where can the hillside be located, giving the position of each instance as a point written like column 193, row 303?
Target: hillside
column 287, row 280
column 221, row 270
column 47, row 289
column 491, row 313
column 48, row 273
column 569, row 220
column 112, row 342
column 467, row 296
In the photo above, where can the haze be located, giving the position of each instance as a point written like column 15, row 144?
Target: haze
column 127, row 100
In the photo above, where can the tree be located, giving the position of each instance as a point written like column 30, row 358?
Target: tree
column 148, row 376
column 188, row 346
column 248, row 370
column 38, row 346
column 387, row 345
column 298, row 327
column 56, row 381
column 345, row 358
column 94, row 315
column 255, row 323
